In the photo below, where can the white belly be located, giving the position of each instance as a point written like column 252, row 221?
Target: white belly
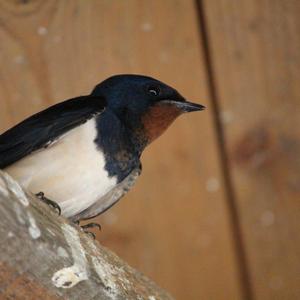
column 70, row 172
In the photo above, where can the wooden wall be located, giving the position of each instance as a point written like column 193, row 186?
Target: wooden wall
column 216, row 212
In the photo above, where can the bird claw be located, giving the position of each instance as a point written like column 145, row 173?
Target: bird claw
column 90, row 225
column 91, row 234
column 54, row 205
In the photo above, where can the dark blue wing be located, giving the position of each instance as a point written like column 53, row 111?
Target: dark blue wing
column 42, row 128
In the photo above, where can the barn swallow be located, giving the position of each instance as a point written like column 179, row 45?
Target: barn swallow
column 84, row 153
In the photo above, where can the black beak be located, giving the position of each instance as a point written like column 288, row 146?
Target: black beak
column 185, row 106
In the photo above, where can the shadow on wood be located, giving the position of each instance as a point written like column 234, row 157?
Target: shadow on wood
column 44, row 256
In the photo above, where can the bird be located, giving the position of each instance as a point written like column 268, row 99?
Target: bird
column 84, row 154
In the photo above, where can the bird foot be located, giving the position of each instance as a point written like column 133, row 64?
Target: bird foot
column 90, row 225
column 52, row 204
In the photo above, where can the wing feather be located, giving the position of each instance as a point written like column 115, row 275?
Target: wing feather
column 46, row 126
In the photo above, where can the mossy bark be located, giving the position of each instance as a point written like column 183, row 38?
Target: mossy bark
column 43, row 256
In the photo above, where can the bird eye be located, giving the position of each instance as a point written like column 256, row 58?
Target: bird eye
column 153, row 90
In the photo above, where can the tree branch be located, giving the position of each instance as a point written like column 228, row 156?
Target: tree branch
column 43, row 256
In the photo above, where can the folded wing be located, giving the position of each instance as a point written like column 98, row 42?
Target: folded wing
column 43, row 128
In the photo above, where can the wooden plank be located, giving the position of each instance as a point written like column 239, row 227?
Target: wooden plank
column 174, row 226
column 256, row 62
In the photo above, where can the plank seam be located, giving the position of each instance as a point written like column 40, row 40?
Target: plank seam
column 239, row 245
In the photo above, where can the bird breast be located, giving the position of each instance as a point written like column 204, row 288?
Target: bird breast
column 70, row 172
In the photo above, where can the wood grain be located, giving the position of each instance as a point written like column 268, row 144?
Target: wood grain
column 174, row 225
column 255, row 55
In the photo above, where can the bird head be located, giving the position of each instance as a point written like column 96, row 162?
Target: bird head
column 146, row 105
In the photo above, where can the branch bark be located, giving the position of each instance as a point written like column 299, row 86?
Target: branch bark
column 43, row 256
